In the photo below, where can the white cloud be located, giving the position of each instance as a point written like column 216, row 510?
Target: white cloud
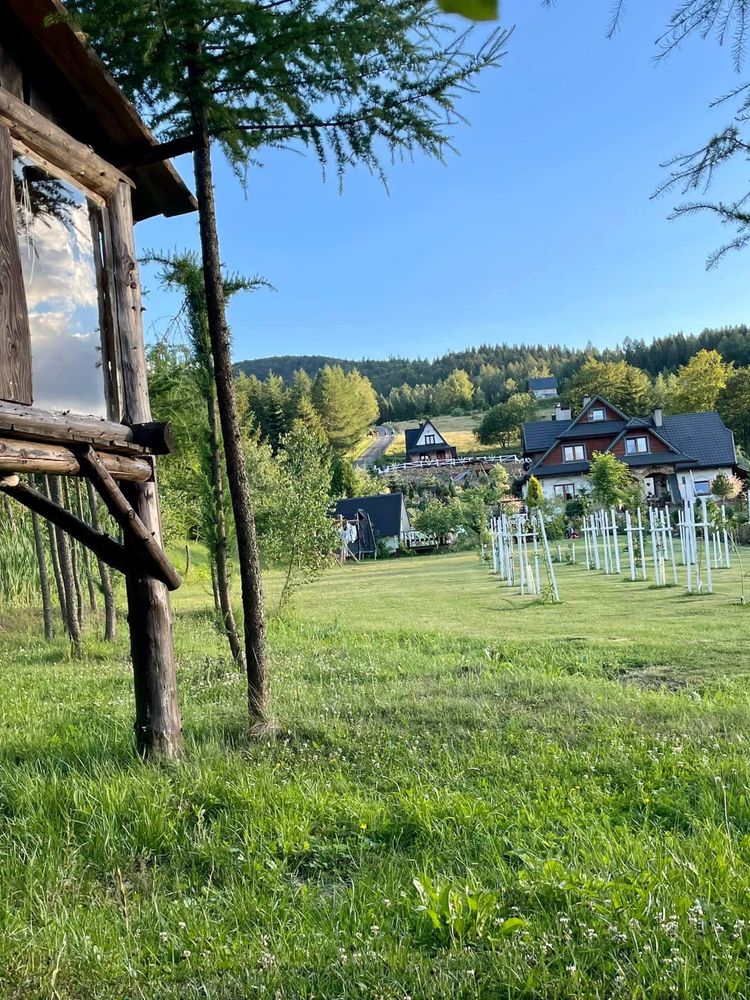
column 63, row 314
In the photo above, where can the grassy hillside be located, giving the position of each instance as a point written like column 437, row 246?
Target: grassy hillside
column 476, row 795
column 458, row 431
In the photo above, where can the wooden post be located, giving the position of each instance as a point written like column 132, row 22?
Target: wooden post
column 158, row 726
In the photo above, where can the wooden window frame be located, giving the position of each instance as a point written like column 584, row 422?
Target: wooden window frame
column 25, row 132
column 635, row 439
column 564, row 487
column 597, row 420
column 572, row 447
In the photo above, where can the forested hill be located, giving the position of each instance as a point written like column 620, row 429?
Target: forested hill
column 665, row 354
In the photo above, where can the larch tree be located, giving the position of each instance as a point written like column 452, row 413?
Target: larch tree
column 182, row 271
column 355, row 82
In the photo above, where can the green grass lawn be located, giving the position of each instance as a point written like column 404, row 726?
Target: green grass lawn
column 475, row 795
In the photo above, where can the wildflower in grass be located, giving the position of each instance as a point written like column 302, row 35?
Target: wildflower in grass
column 163, row 936
column 186, row 953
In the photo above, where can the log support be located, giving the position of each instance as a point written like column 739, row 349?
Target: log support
column 151, row 554
column 158, row 726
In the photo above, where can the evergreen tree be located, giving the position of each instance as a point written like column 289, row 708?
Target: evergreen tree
column 534, row 493
column 348, row 81
column 733, row 404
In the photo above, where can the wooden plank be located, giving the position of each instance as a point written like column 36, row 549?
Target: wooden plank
column 59, row 149
column 158, row 724
column 33, row 456
column 110, row 357
column 31, row 424
column 151, row 553
column 105, row 548
column 15, row 335
column 11, row 74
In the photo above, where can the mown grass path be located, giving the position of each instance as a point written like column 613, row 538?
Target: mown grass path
column 568, row 787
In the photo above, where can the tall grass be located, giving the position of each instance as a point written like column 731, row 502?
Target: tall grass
column 19, row 577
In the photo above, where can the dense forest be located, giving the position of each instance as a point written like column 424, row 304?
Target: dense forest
column 662, row 355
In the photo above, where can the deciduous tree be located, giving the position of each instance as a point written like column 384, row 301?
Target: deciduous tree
column 697, row 385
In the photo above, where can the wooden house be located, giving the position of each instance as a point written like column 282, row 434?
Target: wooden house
column 78, row 168
column 425, row 443
column 679, row 455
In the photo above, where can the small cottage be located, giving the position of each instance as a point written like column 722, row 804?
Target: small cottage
column 425, row 443
column 543, row 388
column 380, row 518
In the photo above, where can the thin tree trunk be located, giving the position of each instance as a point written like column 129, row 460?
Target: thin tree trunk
column 55, row 559
column 74, row 560
column 110, row 610
column 86, row 558
column 221, row 549
column 41, row 558
column 239, row 486
column 215, row 585
column 66, row 574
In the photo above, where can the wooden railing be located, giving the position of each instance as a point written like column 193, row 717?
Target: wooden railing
column 447, row 462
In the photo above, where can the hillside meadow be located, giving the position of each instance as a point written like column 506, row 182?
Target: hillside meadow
column 474, row 795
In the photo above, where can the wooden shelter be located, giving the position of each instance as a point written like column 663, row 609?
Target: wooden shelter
column 77, row 169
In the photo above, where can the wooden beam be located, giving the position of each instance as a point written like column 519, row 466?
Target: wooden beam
column 15, row 334
column 34, row 456
column 151, row 553
column 158, row 724
column 150, row 438
column 104, row 547
column 64, row 153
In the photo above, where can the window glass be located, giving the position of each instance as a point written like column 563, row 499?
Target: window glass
column 597, row 414
column 574, row 453
column 565, row 490
column 702, row 487
column 57, row 257
column 636, row 445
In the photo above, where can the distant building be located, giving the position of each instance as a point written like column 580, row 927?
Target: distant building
column 678, row 455
column 379, row 518
column 543, row 388
column 426, row 443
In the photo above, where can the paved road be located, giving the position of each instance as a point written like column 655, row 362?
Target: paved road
column 382, row 437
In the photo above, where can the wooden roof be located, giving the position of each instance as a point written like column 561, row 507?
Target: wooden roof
column 85, row 100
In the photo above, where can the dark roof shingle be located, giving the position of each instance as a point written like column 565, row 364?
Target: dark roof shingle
column 540, row 434
column 702, row 436
column 386, row 511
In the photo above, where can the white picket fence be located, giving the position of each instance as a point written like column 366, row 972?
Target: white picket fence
column 443, row 462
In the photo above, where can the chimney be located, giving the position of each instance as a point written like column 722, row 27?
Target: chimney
column 658, row 417
column 585, row 402
column 562, row 412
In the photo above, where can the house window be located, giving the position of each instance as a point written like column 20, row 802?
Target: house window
column 574, row 453
column 565, row 491
column 702, row 487
column 429, row 439
column 636, row 446
column 598, row 413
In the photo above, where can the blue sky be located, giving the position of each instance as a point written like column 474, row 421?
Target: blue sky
column 541, row 230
